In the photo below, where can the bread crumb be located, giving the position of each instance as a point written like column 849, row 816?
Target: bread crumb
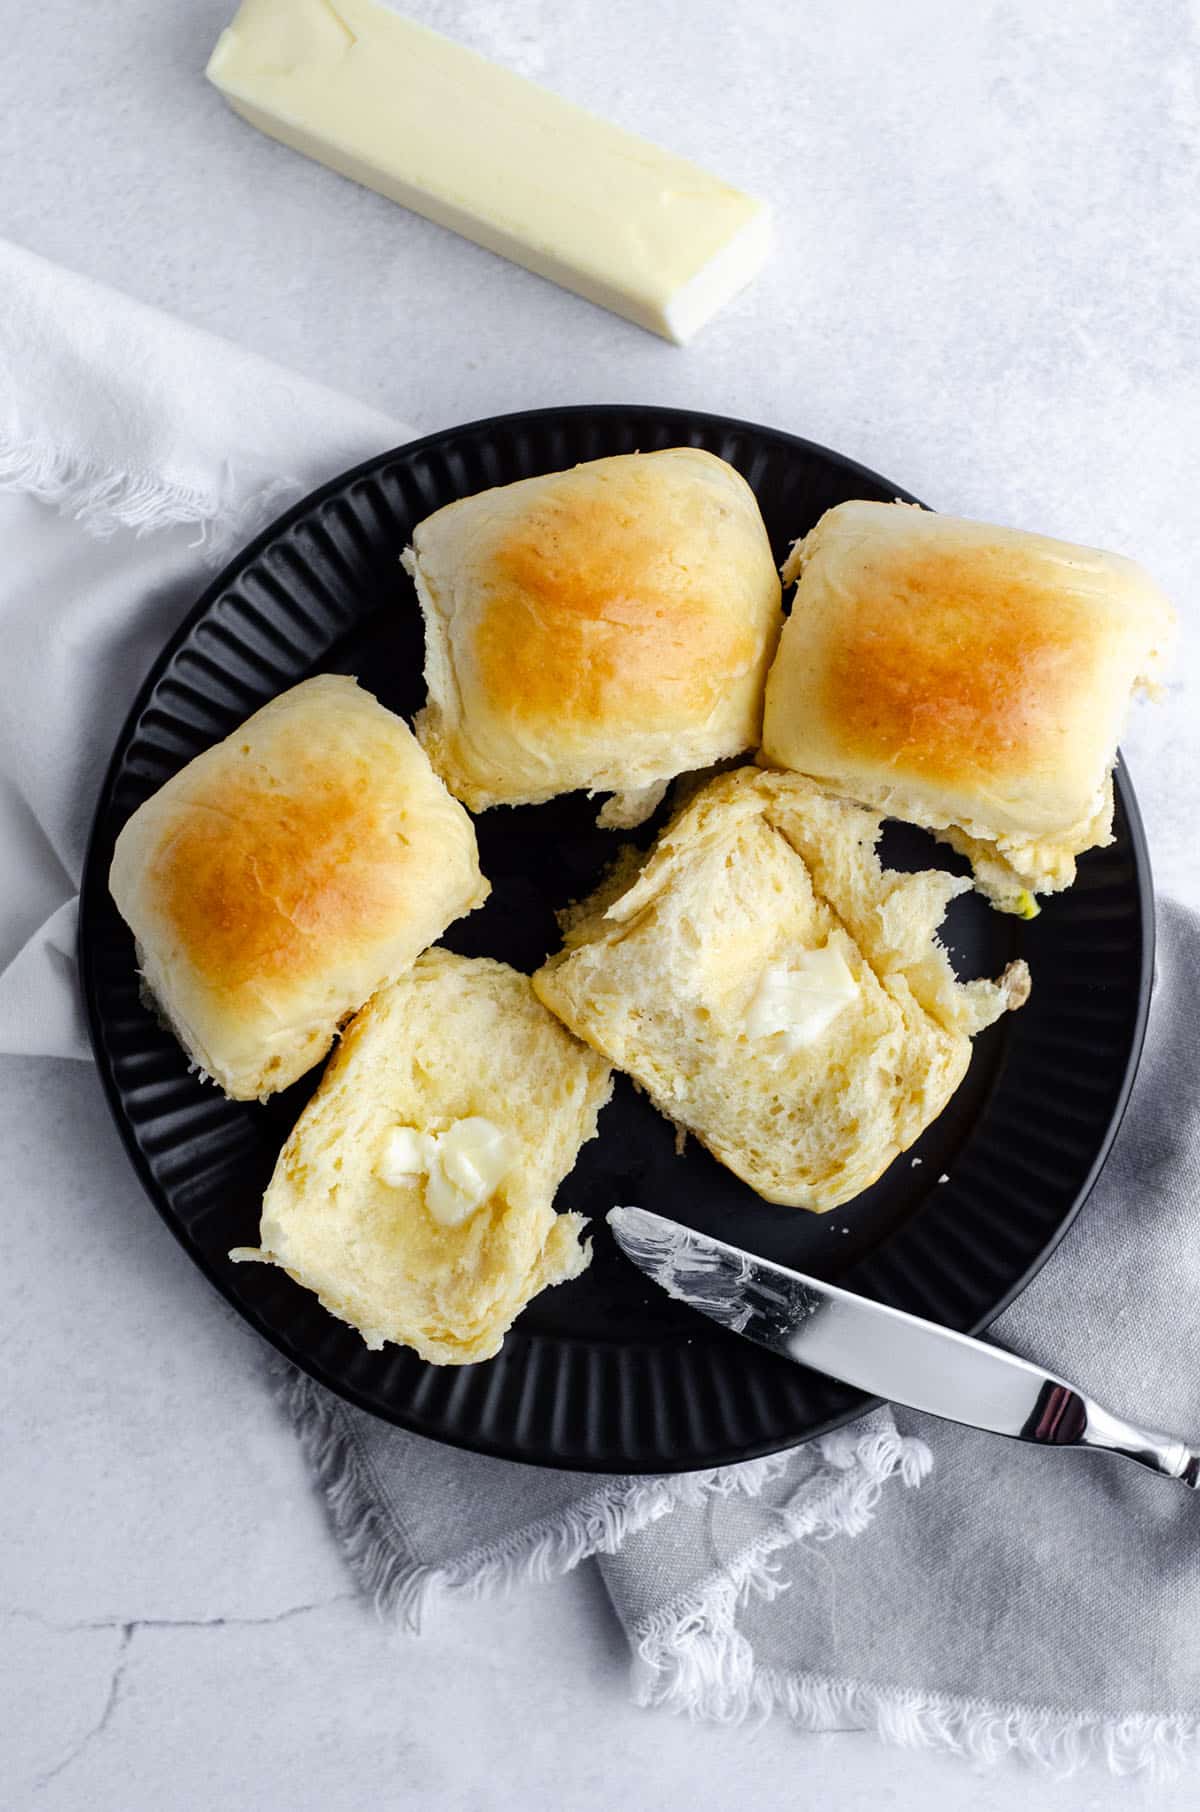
column 681, row 1138
column 618, row 877
column 625, row 811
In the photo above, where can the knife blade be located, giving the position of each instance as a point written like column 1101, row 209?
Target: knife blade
column 884, row 1351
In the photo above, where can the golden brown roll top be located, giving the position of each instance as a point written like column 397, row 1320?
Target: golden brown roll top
column 606, row 627
column 969, row 678
column 281, row 877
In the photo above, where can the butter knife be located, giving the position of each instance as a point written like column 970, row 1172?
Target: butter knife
column 885, row 1351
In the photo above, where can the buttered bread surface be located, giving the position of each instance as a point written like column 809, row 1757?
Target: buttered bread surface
column 415, row 1195
column 775, row 991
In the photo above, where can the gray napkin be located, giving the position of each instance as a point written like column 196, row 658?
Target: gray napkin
column 1046, row 1603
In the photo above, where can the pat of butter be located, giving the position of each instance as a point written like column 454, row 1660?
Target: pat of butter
column 478, row 149
column 462, row 1167
column 799, row 996
column 406, row 1155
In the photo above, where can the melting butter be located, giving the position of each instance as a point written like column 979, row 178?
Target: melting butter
column 462, row 1167
column 407, row 1154
column 799, row 996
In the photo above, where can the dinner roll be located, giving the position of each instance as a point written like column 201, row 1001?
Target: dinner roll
column 775, row 991
column 415, row 1194
column 281, row 877
column 606, row 627
column 968, row 678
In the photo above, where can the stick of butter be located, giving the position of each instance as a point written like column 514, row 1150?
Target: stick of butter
column 476, row 148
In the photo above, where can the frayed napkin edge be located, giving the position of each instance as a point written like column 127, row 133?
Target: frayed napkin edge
column 691, row 1658
column 690, row 1655
column 103, row 500
column 403, row 1589
column 683, row 1677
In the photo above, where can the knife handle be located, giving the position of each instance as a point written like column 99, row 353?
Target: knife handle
column 1063, row 1418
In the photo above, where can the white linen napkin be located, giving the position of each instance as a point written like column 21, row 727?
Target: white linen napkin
column 133, row 452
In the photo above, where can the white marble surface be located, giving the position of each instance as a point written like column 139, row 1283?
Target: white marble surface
column 984, row 286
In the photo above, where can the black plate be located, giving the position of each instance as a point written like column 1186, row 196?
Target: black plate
column 606, row 1373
